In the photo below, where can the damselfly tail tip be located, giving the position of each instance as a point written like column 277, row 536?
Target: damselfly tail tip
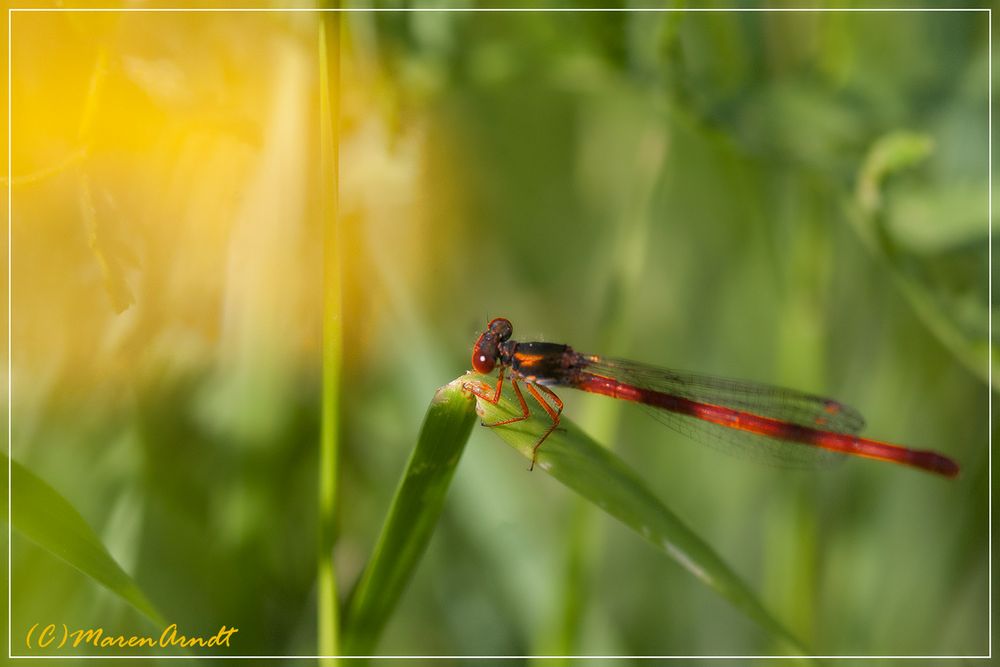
column 936, row 463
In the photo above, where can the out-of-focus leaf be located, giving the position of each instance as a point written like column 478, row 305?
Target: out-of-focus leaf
column 411, row 519
column 931, row 221
column 892, row 152
column 97, row 237
column 42, row 515
column 595, row 473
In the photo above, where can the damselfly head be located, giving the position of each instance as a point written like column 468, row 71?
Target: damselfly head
column 486, row 351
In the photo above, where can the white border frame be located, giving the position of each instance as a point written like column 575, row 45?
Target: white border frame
column 167, row 10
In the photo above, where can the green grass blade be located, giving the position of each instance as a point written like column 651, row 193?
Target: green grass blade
column 42, row 515
column 329, row 67
column 411, row 519
column 594, row 472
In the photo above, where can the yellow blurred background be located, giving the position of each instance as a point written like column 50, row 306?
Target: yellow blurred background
column 679, row 188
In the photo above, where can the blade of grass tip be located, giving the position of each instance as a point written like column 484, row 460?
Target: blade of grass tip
column 411, row 519
column 42, row 515
column 329, row 68
column 594, row 472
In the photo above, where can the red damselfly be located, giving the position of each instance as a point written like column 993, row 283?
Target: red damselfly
column 747, row 413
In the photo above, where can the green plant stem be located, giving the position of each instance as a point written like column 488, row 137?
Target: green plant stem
column 329, row 57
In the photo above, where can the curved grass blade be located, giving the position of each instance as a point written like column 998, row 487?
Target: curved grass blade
column 594, row 472
column 890, row 154
column 42, row 515
column 412, row 516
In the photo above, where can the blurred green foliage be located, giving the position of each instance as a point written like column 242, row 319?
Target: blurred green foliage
column 794, row 198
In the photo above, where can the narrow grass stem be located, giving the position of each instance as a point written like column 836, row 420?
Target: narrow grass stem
column 329, row 59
